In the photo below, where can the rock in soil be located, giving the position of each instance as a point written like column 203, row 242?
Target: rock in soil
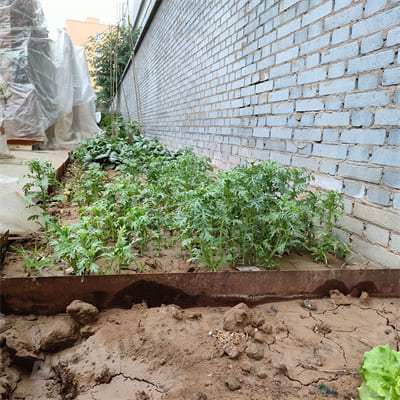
column 232, row 383
column 83, row 313
column 57, row 334
column 238, row 318
column 255, row 351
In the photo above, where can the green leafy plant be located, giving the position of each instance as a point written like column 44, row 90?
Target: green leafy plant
column 42, row 176
column 380, row 371
column 33, row 260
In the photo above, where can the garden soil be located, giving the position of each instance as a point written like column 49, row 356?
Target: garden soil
column 277, row 351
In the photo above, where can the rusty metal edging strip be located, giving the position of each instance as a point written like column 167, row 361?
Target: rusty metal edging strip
column 3, row 245
column 50, row 295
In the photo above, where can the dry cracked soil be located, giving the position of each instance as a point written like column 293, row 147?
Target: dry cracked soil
column 308, row 349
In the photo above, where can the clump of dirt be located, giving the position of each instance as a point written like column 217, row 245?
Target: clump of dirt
column 273, row 351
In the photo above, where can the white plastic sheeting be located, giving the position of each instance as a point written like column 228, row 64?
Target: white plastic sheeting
column 48, row 79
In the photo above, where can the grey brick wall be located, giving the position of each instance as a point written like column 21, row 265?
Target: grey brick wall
column 311, row 83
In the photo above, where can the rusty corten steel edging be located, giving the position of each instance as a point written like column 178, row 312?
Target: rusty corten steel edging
column 51, row 295
column 3, row 245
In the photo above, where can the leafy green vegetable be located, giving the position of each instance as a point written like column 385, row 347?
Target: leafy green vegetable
column 381, row 374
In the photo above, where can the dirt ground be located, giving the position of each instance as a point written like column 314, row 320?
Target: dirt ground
column 280, row 351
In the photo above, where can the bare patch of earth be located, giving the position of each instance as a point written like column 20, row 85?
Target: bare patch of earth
column 274, row 351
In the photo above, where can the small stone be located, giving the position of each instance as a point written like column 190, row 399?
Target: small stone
column 232, row 351
column 142, row 396
column 232, row 383
column 388, row 331
column 255, row 351
column 246, row 366
column 364, row 298
column 237, row 318
column 194, row 315
column 87, row 331
column 258, row 337
column 58, row 334
column 201, row 396
column 262, row 373
column 83, row 313
column 176, row 312
column 309, row 305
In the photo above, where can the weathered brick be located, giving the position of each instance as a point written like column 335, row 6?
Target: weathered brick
column 281, row 133
column 279, row 95
column 344, row 17
column 309, row 105
column 353, row 225
column 264, row 87
column 282, row 108
column 314, row 45
column 334, row 103
column 341, row 4
column 393, row 37
column 377, row 235
column 313, row 135
column 330, row 135
column 261, row 132
column 373, row 6
column 378, row 196
column 336, row 70
column 306, row 162
column 317, row 74
column 313, row 60
column 328, row 167
column 332, row 119
column 340, row 35
column 394, row 137
column 307, row 120
column 371, row 61
column 355, row 190
column 358, row 172
column 287, row 55
column 391, row 178
column 372, row 43
column 368, row 81
column 364, row 136
column 376, row 253
column 395, row 245
column 391, row 76
column 376, row 22
column 290, row 27
column 389, row 116
column 359, row 153
column 328, row 183
column 361, row 118
column 281, row 158
column 378, row 216
column 367, row 99
column 330, row 151
column 339, row 53
column 317, row 13
column 337, row 86
column 396, row 201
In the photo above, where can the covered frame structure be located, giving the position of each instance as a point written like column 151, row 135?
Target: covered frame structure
column 48, row 79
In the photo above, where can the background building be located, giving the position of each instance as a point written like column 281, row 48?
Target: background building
column 81, row 31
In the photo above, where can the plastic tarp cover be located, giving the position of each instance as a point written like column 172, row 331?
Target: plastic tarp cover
column 27, row 65
column 74, row 93
column 47, row 78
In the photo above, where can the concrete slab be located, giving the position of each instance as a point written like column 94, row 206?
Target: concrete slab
column 13, row 212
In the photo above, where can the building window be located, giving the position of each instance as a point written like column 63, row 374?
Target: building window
column 98, row 37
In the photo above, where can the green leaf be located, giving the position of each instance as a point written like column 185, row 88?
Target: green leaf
column 381, row 374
